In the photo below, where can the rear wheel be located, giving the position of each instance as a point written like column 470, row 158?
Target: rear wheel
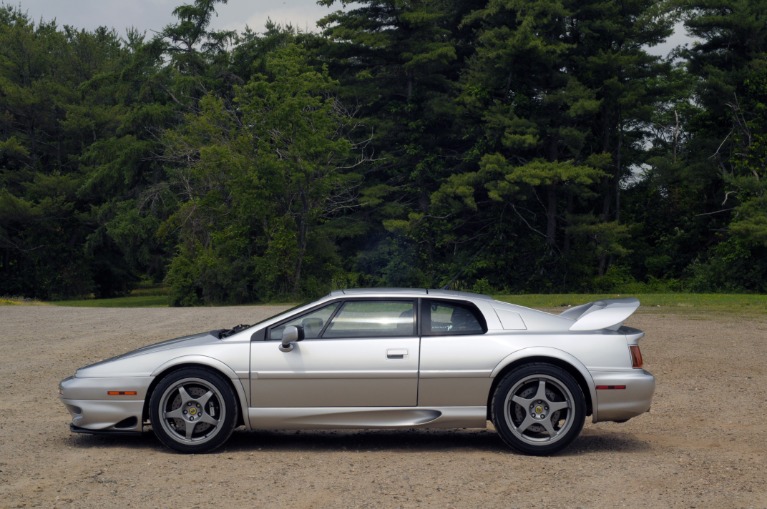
column 538, row 409
column 193, row 410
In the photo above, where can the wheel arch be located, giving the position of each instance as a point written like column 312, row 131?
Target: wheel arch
column 546, row 356
column 205, row 363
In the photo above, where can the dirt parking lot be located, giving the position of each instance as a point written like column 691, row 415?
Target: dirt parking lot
column 704, row 443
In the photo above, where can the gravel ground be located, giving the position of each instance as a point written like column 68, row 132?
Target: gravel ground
column 704, row 443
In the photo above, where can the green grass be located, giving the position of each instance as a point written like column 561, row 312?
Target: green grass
column 145, row 295
column 686, row 303
column 131, row 301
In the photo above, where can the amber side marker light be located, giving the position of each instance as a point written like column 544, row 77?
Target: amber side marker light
column 122, row 393
column 636, row 357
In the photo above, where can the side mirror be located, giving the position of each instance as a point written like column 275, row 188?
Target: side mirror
column 290, row 335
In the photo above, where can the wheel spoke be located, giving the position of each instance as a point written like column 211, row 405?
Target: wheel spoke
column 541, row 393
column 549, row 427
column 206, row 418
column 185, row 397
column 203, row 400
column 175, row 414
column 519, row 400
column 558, row 405
column 529, row 421
column 190, row 428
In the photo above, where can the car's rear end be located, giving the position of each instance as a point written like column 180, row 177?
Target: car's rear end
column 626, row 391
column 623, row 388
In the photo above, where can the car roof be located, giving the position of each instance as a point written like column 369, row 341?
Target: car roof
column 407, row 292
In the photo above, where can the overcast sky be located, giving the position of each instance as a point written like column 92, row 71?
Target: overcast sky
column 153, row 15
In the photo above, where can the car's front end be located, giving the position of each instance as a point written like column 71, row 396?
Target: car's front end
column 105, row 405
column 109, row 396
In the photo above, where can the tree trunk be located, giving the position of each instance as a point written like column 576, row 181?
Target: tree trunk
column 551, row 215
column 303, row 233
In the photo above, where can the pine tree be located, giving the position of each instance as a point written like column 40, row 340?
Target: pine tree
column 728, row 138
column 563, row 92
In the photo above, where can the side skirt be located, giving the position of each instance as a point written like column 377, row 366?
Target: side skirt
column 368, row 417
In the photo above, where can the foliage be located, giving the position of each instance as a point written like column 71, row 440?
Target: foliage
column 259, row 181
column 488, row 145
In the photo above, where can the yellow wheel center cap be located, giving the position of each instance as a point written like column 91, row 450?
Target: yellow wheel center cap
column 192, row 411
column 539, row 409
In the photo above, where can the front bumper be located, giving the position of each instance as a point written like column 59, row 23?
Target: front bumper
column 93, row 410
column 616, row 403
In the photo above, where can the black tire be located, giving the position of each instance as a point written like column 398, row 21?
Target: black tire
column 193, row 410
column 538, row 409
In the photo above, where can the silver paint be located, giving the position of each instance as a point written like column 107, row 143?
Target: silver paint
column 383, row 382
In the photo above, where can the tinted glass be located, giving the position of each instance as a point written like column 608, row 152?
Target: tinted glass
column 311, row 322
column 376, row 318
column 453, row 318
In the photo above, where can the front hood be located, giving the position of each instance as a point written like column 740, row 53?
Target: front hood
column 202, row 338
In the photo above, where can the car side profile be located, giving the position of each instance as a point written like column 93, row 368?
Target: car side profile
column 381, row 358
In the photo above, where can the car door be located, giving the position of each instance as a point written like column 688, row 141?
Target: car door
column 356, row 353
column 456, row 357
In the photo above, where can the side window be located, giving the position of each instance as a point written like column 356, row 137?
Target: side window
column 312, row 322
column 447, row 318
column 373, row 318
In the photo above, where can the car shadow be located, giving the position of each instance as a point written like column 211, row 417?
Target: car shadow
column 600, row 441
column 411, row 440
column 139, row 440
column 385, row 441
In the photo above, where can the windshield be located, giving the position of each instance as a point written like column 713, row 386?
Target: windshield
column 239, row 328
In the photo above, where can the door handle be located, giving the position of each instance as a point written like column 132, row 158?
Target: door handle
column 398, row 353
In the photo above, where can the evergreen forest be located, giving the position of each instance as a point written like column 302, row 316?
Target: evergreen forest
column 484, row 145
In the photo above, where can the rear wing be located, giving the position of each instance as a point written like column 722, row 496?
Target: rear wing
column 602, row 314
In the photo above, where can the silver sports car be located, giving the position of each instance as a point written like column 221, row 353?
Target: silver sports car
column 378, row 359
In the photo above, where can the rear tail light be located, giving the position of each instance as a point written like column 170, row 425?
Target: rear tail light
column 636, row 357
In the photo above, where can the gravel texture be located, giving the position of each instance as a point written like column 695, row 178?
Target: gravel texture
column 704, row 443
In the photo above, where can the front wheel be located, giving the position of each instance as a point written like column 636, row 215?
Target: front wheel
column 193, row 410
column 538, row 409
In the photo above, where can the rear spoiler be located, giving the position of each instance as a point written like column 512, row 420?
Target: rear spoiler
column 602, row 314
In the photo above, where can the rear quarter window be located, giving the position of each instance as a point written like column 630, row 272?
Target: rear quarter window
column 451, row 318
